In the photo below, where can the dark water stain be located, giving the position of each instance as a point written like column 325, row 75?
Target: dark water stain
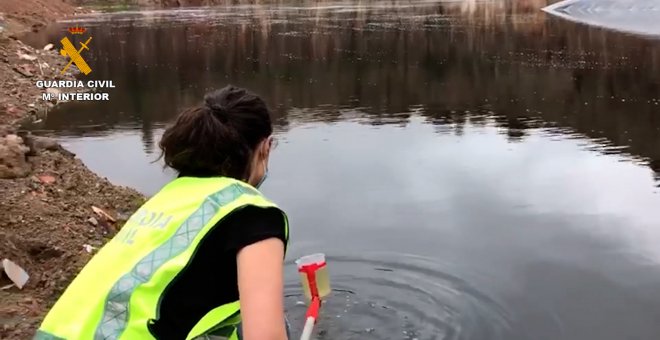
column 474, row 170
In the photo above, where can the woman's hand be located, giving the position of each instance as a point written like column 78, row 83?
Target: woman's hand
column 261, row 289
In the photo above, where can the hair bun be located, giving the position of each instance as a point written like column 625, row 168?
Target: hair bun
column 217, row 110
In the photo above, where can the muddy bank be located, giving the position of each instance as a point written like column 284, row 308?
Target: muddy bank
column 49, row 228
column 22, row 15
column 50, row 222
column 21, row 65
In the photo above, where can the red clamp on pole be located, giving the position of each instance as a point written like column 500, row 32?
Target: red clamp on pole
column 313, row 309
column 312, row 314
column 310, row 271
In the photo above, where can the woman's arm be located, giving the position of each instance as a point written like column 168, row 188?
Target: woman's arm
column 261, row 290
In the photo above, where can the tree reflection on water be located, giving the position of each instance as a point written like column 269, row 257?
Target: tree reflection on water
column 505, row 63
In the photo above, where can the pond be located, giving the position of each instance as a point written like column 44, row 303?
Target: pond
column 473, row 170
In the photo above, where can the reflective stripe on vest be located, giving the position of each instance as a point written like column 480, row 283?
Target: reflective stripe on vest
column 118, row 292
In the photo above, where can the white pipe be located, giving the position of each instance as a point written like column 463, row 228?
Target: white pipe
column 309, row 327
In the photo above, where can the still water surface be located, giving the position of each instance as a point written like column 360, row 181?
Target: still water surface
column 474, row 170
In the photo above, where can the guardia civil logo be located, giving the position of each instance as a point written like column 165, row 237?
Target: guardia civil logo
column 68, row 50
column 77, row 57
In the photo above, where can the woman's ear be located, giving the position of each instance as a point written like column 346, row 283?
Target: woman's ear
column 266, row 147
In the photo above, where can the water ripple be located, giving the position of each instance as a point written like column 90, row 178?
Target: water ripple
column 401, row 297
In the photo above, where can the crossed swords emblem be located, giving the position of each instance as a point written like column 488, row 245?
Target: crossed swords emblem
column 74, row 55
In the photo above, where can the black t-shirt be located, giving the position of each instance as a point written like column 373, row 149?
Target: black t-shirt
column 210, row 279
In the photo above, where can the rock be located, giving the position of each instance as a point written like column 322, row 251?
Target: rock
column 24, row 47
column 24, row 70
column 93, row 221
column 36, row 27
column 15, row 273
column 45, row 143
column 37, row 144
column 13, row 157
column 48, row 47
column 124, row 215
column 54, row 92
column 13, row 110
column 6, row 130
column 103, row 214
column 27, row 57
column 46, row 179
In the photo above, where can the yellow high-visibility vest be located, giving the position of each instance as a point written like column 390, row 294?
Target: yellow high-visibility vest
column 117, row 293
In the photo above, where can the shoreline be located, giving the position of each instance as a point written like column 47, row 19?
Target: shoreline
column 50, row 222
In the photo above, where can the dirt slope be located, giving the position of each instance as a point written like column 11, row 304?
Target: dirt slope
column 47, row 223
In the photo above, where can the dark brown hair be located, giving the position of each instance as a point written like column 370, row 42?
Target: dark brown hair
column 218, row 137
